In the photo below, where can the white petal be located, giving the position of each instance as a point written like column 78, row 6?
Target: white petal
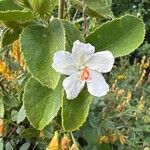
column 101, row 61
column 82, row 51
column 73, row 85
column 97, row 85
column 64, row 63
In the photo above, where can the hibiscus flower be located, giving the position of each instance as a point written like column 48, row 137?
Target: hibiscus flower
column 83, row 66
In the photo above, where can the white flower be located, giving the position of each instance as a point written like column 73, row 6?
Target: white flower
column 83, row 66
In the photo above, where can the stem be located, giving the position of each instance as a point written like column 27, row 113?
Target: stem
column 85, row 24
column 61, row 9
column 73, row 139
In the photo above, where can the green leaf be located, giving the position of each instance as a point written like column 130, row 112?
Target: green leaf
column 9, row 5
column 10, row 101
column 25, row 146
column 38, row 45
column 72, row 34
column 101, row 8
column 10, row 35
column 96, row 8
column 41, row 103
column 1, row 109
column 12, row 15
column 53, row 4
column 21, row 115
column 30, row 133
column 1, row 143
column 120, row 36
column 14, row 115
column 75, row 112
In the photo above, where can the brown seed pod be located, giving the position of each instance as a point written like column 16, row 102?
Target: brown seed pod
column 65, row 143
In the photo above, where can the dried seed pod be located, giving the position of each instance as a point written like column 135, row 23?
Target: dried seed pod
column 65, row 143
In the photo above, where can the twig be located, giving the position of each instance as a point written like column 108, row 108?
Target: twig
column 61, row 9
column 85, row 24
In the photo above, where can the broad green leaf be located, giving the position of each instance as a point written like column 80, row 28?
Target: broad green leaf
column 100, row 8
column 1, row 109
column 72, row 34
column 38, row 45
column 10, row 35
column 75, row 112
column 41, row 103
column 13, row 15
column 21, row 115
column 9, row 5
column 120, row 36
column 95, row 8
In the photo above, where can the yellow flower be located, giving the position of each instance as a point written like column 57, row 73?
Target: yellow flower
column 54, row 144
column 121, row 77
column 4, row 71
column 122, row 139
column 129, row 96
column 2, row 127
column 15, row 53
column 104, row 139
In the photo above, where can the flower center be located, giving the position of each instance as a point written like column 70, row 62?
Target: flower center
column 85, row 74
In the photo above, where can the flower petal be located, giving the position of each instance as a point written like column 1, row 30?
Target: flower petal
column 82, row 51
column 64, row 63
column 73, row 85
column 97, row 85
column 101, row 61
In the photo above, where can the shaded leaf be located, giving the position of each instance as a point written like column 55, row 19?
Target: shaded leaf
column 21, row 115
column 72, row 34
column 9, row 5
column 75, row 112
column 12, row 15
column 1, row 109
column 96, row 8
column 10, row 35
